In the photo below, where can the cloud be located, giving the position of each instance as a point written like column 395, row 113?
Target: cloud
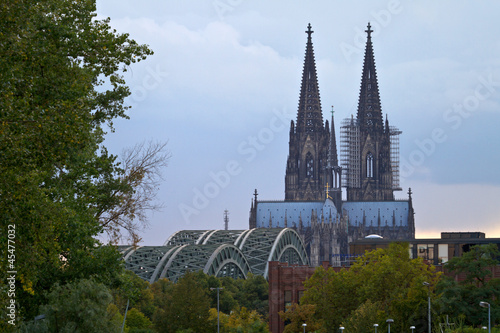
column 213, row 63
column 214, row 82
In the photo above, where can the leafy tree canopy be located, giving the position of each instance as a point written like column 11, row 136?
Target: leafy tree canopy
column 296, row 315
column 61, row 87
column 384, row 283
column 186, row 306
column 461, row 299
column 77, row 307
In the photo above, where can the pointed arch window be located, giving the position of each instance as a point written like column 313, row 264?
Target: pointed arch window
column 309, row 166
column 369, row 165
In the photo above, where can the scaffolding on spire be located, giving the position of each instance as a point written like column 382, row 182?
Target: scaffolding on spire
column 350, row 153
column 394, row 133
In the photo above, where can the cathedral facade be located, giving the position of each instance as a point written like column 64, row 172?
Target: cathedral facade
column 369, row 171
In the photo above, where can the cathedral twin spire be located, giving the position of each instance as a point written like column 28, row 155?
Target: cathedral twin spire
column 312, row 156
column 309, row 116
column 312, row 161
column 369, row 108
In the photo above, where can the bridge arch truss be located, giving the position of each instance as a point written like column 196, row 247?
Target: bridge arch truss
column 233, row 253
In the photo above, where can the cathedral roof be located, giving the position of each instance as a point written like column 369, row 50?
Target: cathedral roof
column 389, row 213
column 293, row 211
column 372, row 211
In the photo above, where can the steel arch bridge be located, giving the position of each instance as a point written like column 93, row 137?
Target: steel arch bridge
column 233, row 253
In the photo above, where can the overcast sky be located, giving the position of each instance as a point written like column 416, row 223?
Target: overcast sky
column 224, row 84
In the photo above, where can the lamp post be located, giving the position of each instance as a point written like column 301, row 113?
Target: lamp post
column 304, row 326
column 487, row 305
column 341, row 328
column 218, row 322
column 412, row 328
column 428, row 303
column 389, row 322
column 125, row 316
column 375, row 325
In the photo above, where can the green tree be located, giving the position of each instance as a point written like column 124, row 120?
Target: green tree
column 137, row 321
column 363, row 318
column 134, row 291
column 296, row 315
column 475, row 264
column 60, row 88
column 253, row 293
column 388, row 278
column 227, row 297
column 81, row 306
column 162, row 293
column 333, row 295
column 187, row 307
column 462, row 298
column 115, row 316
column 222, row 317
column 244, row 321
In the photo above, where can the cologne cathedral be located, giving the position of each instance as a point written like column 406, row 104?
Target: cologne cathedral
column 368, row 170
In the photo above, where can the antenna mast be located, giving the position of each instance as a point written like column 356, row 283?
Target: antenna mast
column 226, row 219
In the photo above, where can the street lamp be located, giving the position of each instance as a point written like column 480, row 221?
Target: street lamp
column 375, row 325
column 389, row 322
column 429, row 303
column 218, row 322
column 412, row 328
column 487, row 305
column 341, row 328
column 304, row 325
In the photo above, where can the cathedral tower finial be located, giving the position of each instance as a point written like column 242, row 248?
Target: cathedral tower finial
column 369, row 31
column 309, row 31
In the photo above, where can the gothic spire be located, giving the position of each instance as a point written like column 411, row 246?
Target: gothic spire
column 332, row 149
column 309, row 116
column 369, row 108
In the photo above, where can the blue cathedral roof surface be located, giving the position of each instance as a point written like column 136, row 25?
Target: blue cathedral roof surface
column 293, row 210
column 387, row 212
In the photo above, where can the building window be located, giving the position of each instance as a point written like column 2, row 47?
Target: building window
column 369, row 165
column 425, row 251
column 309, row 166
column 442, row 253
column 288, row 298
